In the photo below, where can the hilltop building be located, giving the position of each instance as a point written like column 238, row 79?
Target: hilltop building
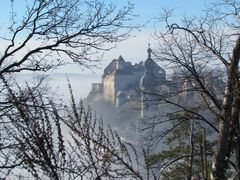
column 154, row 77
column 131, row 95
column 123, row 82
column 119, row 78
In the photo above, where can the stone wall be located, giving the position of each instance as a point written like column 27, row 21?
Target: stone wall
column 109, row 88
column 124, row 82
column 96, row 88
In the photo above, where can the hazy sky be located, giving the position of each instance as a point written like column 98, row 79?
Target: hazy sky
column 133, row 49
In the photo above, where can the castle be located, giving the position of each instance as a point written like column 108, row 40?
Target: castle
column 132, row 94
column 123, row 82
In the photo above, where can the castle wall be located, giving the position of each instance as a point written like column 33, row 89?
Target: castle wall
column 124, row 82
column 137, row 75
column 96, row 88
column 114, row 83
column 109, row 88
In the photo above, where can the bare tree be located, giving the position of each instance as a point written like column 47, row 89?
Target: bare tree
column 192, row 47
column 87, row 151
column 53, row 31
column 99, row 147
column 32, row 125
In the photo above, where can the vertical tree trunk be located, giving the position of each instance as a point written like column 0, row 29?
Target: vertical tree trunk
column 226, row 122
column 235, row 116
column 191, row 149
column 225, row 141
column 203, row 154
column 201, row 159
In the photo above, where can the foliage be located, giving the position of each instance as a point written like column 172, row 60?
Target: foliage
column 174, row 162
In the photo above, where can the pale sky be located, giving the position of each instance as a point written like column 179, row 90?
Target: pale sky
column 133, row 49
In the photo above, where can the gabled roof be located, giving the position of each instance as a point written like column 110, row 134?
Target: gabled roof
column 112, row 66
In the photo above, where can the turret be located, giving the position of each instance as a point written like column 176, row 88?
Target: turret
column 120, row 62
column 153, row 74
column 153, row 77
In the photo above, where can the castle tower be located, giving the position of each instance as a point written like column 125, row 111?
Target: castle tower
column 120, row 62
column 153, row 77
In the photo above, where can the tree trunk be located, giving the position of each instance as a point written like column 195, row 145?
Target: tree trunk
column 203, row 154
column 227, row 126
column 235, row 115
column 192, row 150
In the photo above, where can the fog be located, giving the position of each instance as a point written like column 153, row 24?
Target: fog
column 58, row 82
